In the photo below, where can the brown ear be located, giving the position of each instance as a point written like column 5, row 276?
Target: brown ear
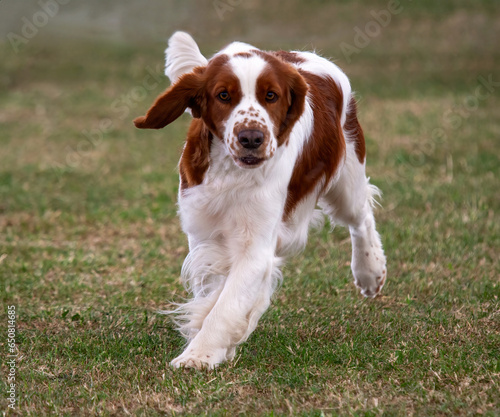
column 186, row 92
column 297, row 90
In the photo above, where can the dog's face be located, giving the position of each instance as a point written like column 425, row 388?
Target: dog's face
column 248, row 100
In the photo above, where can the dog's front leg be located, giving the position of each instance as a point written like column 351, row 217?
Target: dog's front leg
column 242, row 301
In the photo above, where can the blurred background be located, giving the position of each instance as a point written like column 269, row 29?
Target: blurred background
column 398, row 48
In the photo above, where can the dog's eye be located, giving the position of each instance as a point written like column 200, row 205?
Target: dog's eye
column 224, row 96
column 271, row 97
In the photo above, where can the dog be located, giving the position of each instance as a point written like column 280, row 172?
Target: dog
column 274, row 136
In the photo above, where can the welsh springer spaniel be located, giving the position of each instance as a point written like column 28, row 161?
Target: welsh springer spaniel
column 274, row 134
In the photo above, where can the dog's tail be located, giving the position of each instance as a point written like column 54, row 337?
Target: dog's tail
column 182, row 56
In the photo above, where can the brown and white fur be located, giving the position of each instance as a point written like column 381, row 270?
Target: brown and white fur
column 274, row 135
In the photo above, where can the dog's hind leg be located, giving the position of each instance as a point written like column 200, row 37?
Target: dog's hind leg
column 350, row 202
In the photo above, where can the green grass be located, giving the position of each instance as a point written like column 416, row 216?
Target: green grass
column 90, row 246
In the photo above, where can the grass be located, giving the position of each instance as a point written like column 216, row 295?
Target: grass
column 90, row 246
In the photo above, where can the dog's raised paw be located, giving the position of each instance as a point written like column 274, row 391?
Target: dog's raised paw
column 370, row 272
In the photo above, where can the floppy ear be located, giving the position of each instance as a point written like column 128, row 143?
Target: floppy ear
column 297, row 90
column 186, row 92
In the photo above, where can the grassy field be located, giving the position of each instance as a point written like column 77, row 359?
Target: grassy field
column 90, row 246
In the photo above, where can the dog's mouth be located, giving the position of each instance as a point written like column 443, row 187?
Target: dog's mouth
column 251, row 161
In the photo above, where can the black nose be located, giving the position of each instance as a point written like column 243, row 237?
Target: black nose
column 251, row 139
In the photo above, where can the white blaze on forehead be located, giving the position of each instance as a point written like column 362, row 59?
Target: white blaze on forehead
column 236, row 48
column 248, row 71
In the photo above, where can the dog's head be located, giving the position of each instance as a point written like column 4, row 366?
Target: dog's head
column 248, row 99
